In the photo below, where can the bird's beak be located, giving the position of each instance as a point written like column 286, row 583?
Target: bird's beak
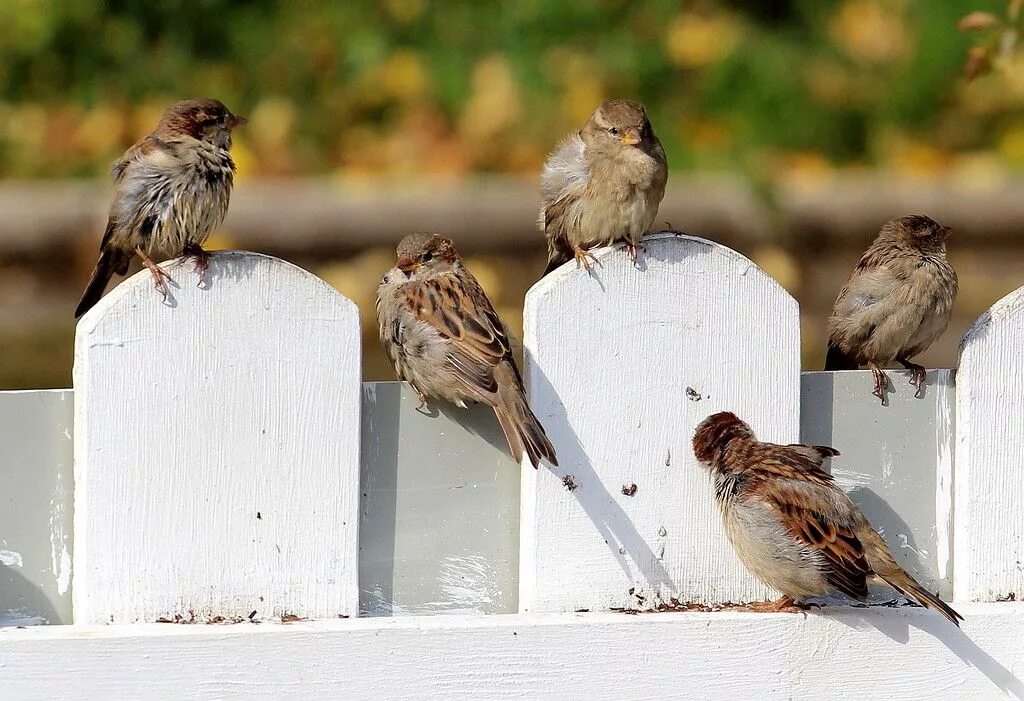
column 236, row 120
column 631, row 137
column 406, row 264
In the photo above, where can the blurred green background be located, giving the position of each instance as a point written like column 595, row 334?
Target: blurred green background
column 793, row 128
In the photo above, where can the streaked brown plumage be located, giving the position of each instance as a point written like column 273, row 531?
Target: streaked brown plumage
column 444, row 338
column 602, row 185
column 172, row 190
column 790, row 525
column 897, row 302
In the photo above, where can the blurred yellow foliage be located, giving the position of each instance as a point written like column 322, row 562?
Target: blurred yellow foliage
column 579, row 78
column 401, row 77
column 405, row 11
column 221, row 240
column 802, row 169
column 870, row 30
column 693, row 40
column 246, row 162
column 780, row 264
column 493, row 103
column 1011, row 145
column 358, row 277
column 911, row 157
column 486, row 271
column 100, row 130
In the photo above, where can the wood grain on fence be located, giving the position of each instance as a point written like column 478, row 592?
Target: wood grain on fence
column 217, row 447
column 621, row 366
column 989, row 480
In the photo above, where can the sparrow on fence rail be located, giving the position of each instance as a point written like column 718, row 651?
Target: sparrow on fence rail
column 171, row 191
column 897, row 301
column 603, row 184
column 790, row 525
column 444, row 337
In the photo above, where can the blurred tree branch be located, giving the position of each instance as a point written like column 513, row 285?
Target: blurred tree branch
column 1001, row 35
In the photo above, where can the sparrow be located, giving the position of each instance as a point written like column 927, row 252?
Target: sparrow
column 171, row 190
column 897, row 301
column 790, row 525
column 444, row 338
column 602, row 184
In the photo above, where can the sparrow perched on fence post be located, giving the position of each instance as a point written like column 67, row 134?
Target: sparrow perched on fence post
column 171, row 191
column 444, row 337
column 602, row 184
column 790, row 525
column 897, row 301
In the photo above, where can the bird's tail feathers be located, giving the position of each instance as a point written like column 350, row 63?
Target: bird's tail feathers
column 553, row 264
column 522, row 429
column 558, row 253
column 908, row 586
column 836, row 359
column 106, row 266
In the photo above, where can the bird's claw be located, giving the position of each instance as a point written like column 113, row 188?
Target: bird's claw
column 784, row 604
column 631, row 250
column 584, row 258
column 880, row 383
column 159, row 275
column 918, row 376
column 202, row 261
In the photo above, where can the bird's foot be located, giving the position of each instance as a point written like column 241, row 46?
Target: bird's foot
column 202, row 260
column 584, row 258
column 880, row 382
column 159, row 274
column 786, row 604
column 423, row 401
column 631, row 250
column 917, row 376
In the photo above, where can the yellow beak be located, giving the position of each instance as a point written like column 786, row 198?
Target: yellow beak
column 631, row 137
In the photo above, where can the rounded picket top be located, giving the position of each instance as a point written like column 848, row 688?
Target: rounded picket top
column 621, row 366
column 217, row 446
column 988, row 531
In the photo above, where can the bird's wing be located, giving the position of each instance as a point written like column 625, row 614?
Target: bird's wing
column 814, row 511
column 565, row 169
column 563, row 182
column 145, row 149
column 457, row 308
column 815, row 453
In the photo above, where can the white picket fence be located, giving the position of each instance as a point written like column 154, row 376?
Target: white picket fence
column 229, row 467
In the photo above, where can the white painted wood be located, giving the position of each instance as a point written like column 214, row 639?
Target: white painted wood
column 217, row 446
column 988, row 560
column 896, row 461
column 36, row 506
column 621, row 366
column 439, row 515
column 876, row 653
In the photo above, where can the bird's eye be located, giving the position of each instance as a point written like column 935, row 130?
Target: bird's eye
column 427, row 257
column 613, row 131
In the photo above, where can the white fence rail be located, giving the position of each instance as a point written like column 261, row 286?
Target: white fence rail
column 226, row 468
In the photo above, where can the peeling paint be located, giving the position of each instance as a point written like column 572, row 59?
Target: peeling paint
column 943, row 474
column 60, row 555
column 11, row 558
column 848, row 479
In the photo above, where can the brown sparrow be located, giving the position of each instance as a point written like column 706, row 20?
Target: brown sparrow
column 897, row 301
column 171, row 191
column 444, row 338
column 790, row 525
column 602, row 184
